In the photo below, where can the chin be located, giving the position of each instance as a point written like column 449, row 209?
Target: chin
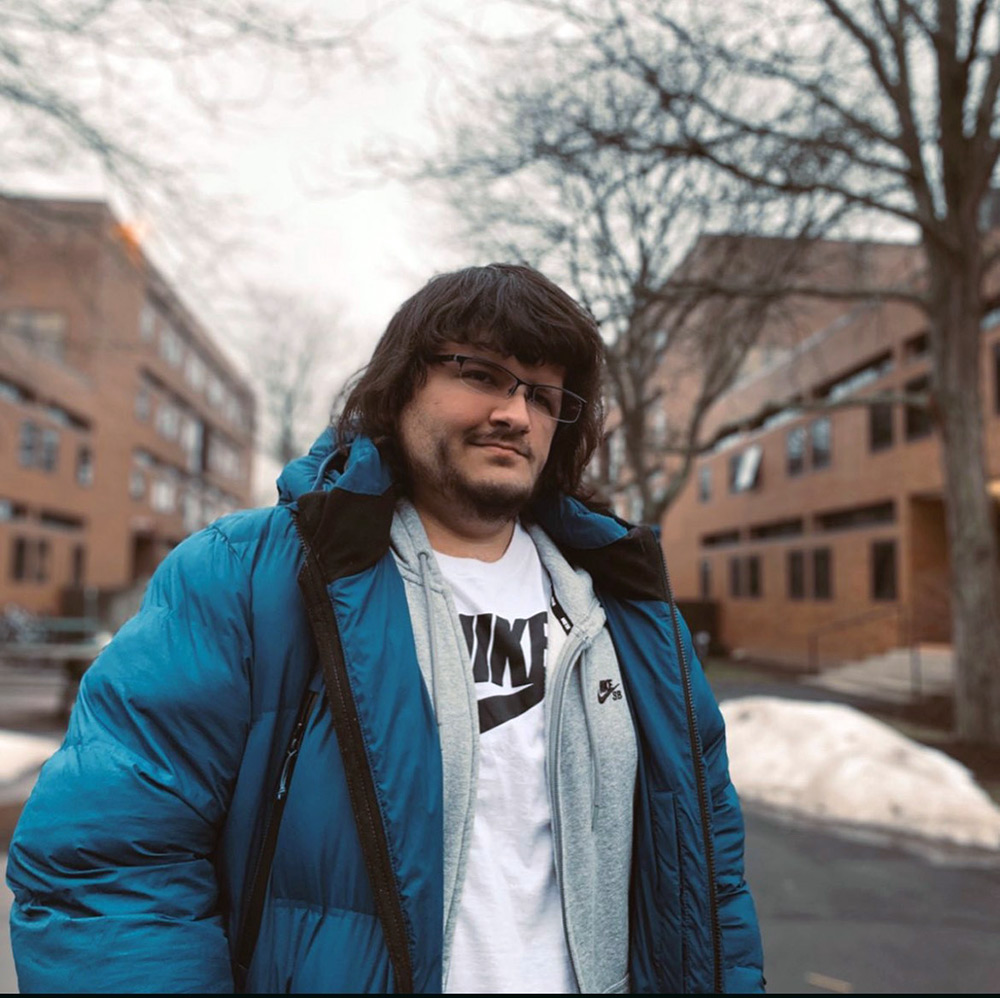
column 493, row 499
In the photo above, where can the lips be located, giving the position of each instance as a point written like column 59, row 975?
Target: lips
column 500, row 445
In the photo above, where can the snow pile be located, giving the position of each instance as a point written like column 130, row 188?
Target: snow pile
column 831, row 762
column 22, row 755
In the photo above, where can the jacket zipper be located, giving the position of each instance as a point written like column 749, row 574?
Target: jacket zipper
column 701, row 780
column 360, row 781
column 254, row 903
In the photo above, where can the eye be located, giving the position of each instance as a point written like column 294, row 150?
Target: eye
column 547, row 399
column 479, row 374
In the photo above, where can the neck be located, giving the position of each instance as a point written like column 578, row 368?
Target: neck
column 465, row 537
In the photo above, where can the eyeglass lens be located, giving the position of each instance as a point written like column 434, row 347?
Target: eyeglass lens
column 484, row 376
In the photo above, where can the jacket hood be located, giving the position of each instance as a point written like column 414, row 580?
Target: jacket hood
column 362, row 471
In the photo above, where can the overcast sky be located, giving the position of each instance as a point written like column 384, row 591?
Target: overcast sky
column 357, row 249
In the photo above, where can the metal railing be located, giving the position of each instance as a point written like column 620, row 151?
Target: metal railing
column 904, row 634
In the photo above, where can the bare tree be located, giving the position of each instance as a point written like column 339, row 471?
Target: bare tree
column 90, row 76
column 888, row 109
column 132, row 94
column 296, row 355
column 628, row 233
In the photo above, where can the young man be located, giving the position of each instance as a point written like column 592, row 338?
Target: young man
column 430, row 723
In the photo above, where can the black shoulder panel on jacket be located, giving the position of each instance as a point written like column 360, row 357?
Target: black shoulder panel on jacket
column 629, row 568
column 346, row 531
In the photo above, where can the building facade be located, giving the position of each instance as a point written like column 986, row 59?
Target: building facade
column 123, row 427
column 819, row 527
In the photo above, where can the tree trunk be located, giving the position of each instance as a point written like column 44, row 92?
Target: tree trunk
column 975, row 584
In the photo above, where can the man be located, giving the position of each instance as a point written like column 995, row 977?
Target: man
column 431, row 722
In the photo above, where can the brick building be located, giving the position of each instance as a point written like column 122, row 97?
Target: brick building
column 122, row 425
column 823, row 530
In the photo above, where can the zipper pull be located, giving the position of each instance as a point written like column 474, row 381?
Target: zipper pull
column 293, row 750
column 285, row 773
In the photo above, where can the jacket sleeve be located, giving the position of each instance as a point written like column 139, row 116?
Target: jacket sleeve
column 741, row 943
column 111, row 863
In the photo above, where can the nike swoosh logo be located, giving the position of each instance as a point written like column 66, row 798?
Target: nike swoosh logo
column 603, row 695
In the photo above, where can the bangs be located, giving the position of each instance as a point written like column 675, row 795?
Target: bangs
column 512, row 315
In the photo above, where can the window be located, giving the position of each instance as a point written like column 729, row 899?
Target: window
column 163, row 497
column 143, row 402
column 49, row 455
column 19, row 560
column 879, row 426
column 916, row 347
column 858, row 378
column 147, row 322
column 777, row 528
column 857, row 516
column 171, row 346
column 918, row 418
column 38, row 447
column 84, row 466
column 754, row 582
column 10, row 391
column 44, row 331
column 795, row 450
column 705, row 579
column 735, row 577
column 821, row 442
column 136, row 484
column 884, row 570
column 704, row 483
column 721, row 538
column 658, row 425
column 822, row 574
column 796, row 575
column 192, row 440
column 29, row 444
column 195, row 371
column 216, row 392
column 29, row 560
column 734, row 470
column 168, row 420
column 744, row 469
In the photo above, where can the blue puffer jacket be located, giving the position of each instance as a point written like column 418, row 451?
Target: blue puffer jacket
column 134, row 857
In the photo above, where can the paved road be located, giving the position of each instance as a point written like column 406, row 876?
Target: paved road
column 839, row 915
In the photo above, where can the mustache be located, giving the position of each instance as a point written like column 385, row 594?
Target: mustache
column 514, row 442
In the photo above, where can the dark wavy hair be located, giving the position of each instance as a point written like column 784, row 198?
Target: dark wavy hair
column 510, row 308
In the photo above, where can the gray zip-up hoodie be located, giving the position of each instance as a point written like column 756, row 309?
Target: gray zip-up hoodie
column 590, row 757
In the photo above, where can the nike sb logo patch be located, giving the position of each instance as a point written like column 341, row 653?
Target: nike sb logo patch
column 608, row 688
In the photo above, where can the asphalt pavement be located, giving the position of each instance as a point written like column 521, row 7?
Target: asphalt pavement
column 844, row 916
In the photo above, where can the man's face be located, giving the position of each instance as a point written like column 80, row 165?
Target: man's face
column 479, row 451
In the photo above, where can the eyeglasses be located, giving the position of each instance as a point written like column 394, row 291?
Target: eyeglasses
column 488, row 378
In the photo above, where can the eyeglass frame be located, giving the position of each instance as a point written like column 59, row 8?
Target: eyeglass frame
column 461, row 358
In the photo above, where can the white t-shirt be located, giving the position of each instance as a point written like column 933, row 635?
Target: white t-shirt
column 509, row 935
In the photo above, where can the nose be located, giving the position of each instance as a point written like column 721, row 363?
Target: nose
column 513, row 410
